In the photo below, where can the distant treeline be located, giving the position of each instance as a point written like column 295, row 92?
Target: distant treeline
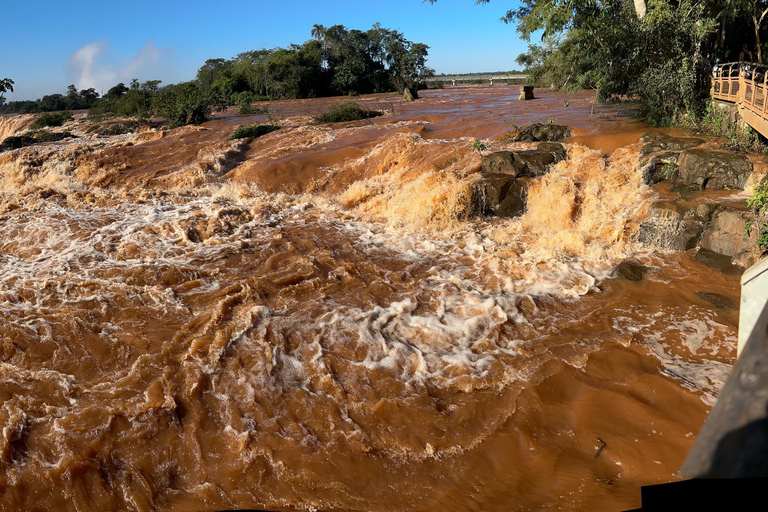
column 336, row 61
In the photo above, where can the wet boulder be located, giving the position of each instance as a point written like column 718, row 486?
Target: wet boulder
column 659, row 167
column 727, row 233
column 630, row 270
column 410, row 94
column 701, row 169
column 524, row 164
column 540, row 132
column 502, row 195
column 717, row 261
column 657, row 141
column 674, row 225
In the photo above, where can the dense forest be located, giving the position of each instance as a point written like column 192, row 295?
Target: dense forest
column 336, row 61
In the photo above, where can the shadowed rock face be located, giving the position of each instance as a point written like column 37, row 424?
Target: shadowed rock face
column 501, row 195
column 705, row 169
column 540, row 132
column 672, row 226
column 501, row 191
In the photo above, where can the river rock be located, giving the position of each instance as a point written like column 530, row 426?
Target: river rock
column 539, row 132
column 718, row 261
column 630, row 270
column 659, row 167
column 673, row 225
column 410, row 94
column 524, row 164
column 657, row 141
column 726, row 233
column 712, row 170
column 502, row 195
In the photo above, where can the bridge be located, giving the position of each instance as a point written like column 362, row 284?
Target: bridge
column 744, row 84
column 476, row 78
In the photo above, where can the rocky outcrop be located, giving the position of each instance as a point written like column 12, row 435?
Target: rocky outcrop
column 656, row 141
column 659, row 167
column 539, row 132
column 699, row 169
column 500, row 195
column 524, row 164
column 727, row 234
column 674, row 225
column 502, row 190
column 410, row 94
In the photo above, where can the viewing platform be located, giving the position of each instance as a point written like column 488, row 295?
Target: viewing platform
column 745, row 84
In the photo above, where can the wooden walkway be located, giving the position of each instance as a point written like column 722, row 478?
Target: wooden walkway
column 746, row 85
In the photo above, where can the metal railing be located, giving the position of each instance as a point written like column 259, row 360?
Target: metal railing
column 746, row 85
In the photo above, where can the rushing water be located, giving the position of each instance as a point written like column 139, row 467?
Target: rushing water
column 310, row 321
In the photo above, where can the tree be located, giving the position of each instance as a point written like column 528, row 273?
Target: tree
column 6, row 84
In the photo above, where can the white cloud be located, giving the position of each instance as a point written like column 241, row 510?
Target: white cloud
column 93, row 65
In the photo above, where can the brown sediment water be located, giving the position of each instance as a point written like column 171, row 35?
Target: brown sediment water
column 310, row 321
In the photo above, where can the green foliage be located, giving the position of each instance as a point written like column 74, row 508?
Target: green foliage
column 245, row 105
column 51, row 119
column 479, row 147
column 182, row 104
column 759, row 204
column 347, row 111
column 254, row 131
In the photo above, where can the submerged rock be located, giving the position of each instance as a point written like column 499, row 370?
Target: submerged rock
column 702, row 169
column 630, row 270
column 656, row 141
column 524, row 164
column 539, row 132
column 717, row 300
column 671, row 225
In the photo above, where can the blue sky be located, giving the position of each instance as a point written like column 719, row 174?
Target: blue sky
column 47, row 45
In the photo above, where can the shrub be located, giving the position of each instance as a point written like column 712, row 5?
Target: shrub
column 46, row 136
column 245, row 105
column 51, row 119
column 16, row 142
column 251, row 132
column 759, row 204
column 347, row 111
column 182, row 104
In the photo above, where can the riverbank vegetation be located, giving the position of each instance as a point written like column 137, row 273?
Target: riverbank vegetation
column 336, row 61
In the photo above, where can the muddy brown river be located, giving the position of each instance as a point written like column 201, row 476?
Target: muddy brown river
column 310, row 321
